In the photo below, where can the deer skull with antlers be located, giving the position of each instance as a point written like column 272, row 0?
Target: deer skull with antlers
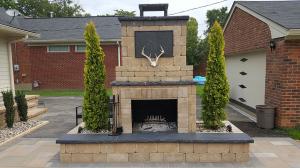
column 153, row 61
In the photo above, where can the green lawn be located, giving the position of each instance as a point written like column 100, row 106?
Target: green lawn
column 293, row 132
column 59, row 93
column 199, row 90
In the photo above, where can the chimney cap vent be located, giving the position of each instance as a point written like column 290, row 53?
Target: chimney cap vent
column 153, row 7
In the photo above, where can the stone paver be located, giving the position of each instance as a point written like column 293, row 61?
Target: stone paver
column 38, row 149
column 43, row 152
column 61, row 116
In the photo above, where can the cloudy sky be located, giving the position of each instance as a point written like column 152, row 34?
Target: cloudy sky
column 96, row 7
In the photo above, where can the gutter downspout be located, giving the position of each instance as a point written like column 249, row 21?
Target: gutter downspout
column 119, row 53
column 11, row 71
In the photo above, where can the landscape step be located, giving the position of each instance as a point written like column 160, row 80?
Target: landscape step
column 36, row 111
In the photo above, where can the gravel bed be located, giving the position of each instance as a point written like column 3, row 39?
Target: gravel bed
column 200, row 128
column 18, row 128
column 85, row 131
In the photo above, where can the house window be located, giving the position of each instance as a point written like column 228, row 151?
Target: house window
column 80, row 48
column 58, row 48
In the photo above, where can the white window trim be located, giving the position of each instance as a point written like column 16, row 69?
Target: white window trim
column 76, row 50
column 58, row 51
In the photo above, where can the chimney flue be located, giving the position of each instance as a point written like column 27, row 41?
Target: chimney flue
column 153, row 7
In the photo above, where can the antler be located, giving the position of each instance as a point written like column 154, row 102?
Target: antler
column 143, row 53
column 162, row 51
column 153, row 62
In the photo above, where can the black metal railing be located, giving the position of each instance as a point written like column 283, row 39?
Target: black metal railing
column 78, row 115
column 114, row 108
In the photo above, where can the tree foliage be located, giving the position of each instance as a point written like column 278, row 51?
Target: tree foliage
column 192, row 42
column 216, row 88
column 43, row 8
column 121, row 12
column 22, row 105
column 213, row 15
column 95, row 105
column 219, row 15
column 8, row 100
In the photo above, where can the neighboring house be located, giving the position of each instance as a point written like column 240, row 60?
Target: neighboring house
column 9, row 34
column 262, row 49
column 55, row 60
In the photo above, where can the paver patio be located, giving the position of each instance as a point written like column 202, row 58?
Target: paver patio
column 38, row 149
column 43, row 152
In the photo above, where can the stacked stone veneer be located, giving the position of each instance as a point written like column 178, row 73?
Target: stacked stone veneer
column 169, row 68
column 186, row 103
column 154, row 152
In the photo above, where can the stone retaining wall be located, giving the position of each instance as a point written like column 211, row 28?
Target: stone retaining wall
column 154, row 152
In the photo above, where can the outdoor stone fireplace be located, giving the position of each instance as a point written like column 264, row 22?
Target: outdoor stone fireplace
column 166, row 80
column 156, row 94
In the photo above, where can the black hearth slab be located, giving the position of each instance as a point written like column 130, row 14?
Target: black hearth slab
column 154, row 18
column 158, row 83
column 231, row 138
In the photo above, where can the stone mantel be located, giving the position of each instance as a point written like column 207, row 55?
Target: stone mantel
column 152, row 83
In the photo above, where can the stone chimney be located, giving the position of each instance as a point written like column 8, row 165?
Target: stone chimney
column 154, row 67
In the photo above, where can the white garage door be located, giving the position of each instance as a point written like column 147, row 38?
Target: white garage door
column 4, row 68
column 246, row 75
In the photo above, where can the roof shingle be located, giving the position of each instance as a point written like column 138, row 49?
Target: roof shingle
column 284, row 13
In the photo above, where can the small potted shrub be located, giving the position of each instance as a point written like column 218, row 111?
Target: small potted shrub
column 8, row 100
column 22, row 105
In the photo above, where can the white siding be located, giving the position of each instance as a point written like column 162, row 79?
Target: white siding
column 4, row 68
column 255, row 67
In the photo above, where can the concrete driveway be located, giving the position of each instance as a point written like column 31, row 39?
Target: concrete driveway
column 61, row 116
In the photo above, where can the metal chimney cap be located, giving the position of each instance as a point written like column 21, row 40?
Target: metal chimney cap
column 153, row 7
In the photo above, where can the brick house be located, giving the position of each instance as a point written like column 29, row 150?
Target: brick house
column 9, row 33
column 56, row 59
column 262, row 48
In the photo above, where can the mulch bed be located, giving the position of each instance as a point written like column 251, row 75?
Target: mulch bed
column 252, row 130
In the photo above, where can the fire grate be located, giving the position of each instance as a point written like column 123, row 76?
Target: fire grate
column 154, row 115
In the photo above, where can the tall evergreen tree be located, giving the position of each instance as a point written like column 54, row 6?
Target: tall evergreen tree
column 95, row 105
column 216, row 88
column 192, row 42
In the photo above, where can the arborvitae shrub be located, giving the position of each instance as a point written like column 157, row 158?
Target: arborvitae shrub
column 95, row 105
column 8, row 100
column 216, row 89
column 22, row 105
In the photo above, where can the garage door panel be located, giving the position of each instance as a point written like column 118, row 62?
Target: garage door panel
column 250, row 84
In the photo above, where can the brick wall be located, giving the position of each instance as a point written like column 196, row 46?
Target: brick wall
column 283, row 82
column 245, row 33
column 58, row 70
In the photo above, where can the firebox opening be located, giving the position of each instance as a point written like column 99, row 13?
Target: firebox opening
column 154, row 115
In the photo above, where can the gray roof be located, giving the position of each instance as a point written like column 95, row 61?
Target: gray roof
column 284, row 13
column 65, row 28
column 7, row 20
column 72, row 28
